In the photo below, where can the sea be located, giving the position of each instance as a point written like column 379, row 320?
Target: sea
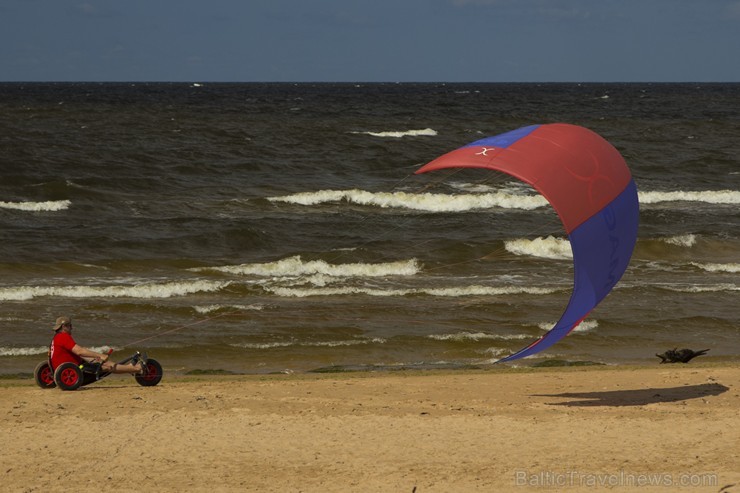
column 280, row 227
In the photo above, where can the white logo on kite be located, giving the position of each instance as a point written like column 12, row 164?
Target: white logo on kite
column 484, row 151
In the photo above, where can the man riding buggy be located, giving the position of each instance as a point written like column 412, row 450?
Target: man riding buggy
column 70, row 365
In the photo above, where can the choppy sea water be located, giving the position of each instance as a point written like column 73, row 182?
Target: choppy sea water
column 272, row 227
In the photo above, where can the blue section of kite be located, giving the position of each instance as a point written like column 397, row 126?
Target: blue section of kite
column 602, row 247
column 506, row 139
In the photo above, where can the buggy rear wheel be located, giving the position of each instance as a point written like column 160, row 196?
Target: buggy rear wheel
column 44, row 376
column 68, row 376
column 153, row 374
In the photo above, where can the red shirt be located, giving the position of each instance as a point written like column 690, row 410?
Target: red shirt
column 61, row 350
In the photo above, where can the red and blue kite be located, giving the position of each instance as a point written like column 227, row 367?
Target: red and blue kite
column 587, row 182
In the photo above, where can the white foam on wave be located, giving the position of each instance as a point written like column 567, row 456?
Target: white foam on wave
column 23, row 351
column 484, row 291
column 296, row 266
column 205, row 309
column 731, row 268
column 687, row 240
column 550, row 248
column 583, row 327
column 476, row 336
column 425, row 132
column 693, row 288
column 710, row 197
column 480, row 197
column 149, row 290
column 442, row 292
column 282, row 344
column 48, row 206
column 36, row 350
column 518, row 188
column 429, row 202
column 102, row 349
column 495, row 352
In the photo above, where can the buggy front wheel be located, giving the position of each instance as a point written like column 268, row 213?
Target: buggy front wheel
column 153, row 374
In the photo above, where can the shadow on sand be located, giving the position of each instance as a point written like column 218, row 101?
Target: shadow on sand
column 638, row 397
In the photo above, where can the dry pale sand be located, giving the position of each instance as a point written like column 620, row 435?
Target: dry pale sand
column 663, row 428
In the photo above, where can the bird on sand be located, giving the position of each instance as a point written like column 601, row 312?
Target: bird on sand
column 676, row 355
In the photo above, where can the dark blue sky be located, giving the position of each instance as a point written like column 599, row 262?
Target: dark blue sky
column 370, row 40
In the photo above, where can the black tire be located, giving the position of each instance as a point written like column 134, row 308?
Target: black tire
column 68, row 376
column 44, row 376
column 153, row 375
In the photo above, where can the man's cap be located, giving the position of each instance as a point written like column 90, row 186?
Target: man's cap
column 61, row 321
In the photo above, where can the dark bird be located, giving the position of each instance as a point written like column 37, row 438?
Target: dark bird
column 680, row 355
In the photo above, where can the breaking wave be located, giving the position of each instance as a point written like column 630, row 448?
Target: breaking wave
column 205, row 309
column 477, row 336
column 283, row 344
column 151, row 290
column 49, row 206
column 550, row 248
column 426, row 132
column 710, row 197
column 681, row 240
column 585, row 326
column 295, row 266
column 731, row 268
column 692, row 288
column 443, row 292
column 429, row 202
column 438, row 202
column 23, row 351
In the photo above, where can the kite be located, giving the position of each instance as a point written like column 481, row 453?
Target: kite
column 588, row 183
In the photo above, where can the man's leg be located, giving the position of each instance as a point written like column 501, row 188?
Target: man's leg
column 126, row 368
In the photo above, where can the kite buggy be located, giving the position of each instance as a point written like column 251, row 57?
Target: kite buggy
column 71, row 376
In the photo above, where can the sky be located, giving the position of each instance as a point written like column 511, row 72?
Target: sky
column 370, row 40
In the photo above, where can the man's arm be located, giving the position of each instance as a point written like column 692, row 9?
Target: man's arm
column 88, row 353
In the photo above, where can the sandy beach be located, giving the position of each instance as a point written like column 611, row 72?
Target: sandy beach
column 661, row 428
